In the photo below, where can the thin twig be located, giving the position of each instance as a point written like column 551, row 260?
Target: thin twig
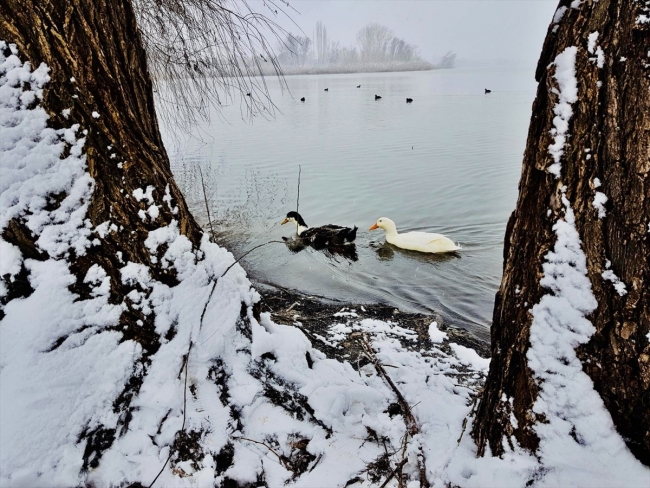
column 298, row 199
column 280, row 457
column 409, row 419
column 407, row 414
column 187, row 357
column 187, row 360
column 394, row 472
column 205, row 199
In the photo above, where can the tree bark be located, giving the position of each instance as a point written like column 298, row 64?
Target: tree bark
column 98, row 44
column 98, row 65
column 611, row 120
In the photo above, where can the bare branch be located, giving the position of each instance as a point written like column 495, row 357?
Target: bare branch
column 204, row 53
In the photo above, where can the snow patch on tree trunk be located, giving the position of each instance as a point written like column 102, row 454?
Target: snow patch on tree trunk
column 567, row 405
column 565, row 74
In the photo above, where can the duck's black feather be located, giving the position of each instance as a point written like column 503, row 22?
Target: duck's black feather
column 326, row 235
column 329, row 235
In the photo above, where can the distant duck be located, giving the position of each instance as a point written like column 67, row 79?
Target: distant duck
column 358, row 86
column 488, row 91
column 377, row 97
column 327, row 89
column 415, row 241
column 248, row 94
column 409, row 100
column 321, row 236
column 302, row 99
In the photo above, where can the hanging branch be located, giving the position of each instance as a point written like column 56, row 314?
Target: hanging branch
column 205, row 199
column 206, row 53
column 298, row 199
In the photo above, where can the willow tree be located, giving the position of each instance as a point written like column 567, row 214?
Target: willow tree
column 88, row 71
column 572, row 314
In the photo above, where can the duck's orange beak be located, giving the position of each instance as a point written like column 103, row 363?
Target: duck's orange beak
column 374, row 226
column 284, row 221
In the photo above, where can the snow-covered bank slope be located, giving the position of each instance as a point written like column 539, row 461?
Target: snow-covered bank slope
column 225, row 394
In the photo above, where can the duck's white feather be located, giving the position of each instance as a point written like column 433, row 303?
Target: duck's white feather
column 416, row 241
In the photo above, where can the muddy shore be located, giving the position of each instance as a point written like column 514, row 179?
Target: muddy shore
column 315, row 314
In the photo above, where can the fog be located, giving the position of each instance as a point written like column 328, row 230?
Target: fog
column 479, row 31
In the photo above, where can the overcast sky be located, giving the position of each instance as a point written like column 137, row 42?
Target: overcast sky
column 474, row 29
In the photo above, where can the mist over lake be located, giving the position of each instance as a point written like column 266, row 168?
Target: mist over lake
column 447, row 163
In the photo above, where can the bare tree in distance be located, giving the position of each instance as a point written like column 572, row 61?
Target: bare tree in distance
column 294, row 51
column 400, row 50
column 448, row 61
column 321, row 43
column 203, row 53
column 373, row 42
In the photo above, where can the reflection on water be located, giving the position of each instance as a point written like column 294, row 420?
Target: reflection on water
column 332, row 252
column 386, row 252
column 447, row 163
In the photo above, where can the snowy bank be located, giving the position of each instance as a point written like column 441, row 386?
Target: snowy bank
column 207, row 391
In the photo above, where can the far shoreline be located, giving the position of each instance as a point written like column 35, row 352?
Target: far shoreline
column 362, row 68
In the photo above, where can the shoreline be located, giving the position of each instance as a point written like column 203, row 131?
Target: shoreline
column 369, row 68
column 313, row 315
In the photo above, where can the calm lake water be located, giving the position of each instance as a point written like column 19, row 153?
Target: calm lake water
column 447, row 163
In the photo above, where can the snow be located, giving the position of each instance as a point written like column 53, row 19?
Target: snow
column 469, row 357
column 65, row 358
column 559, row 13
column 619, row 286
column 141, row 194
column 600, row 57
column 435, row 334
column 599, row 201
column 568, row 93
column 591, row 41
column 567, row 398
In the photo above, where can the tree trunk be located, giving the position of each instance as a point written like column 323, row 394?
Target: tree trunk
column 98, row 44
column 98, row 70
column 607, row 152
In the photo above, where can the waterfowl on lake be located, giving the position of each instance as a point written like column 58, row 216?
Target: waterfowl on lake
column 488, row 91
column 321, row 236
column 302, row 99
column 377, row 97
column 327, row 89
column 248, row 94
column 409, row 100
column 415, row 241
column 358, row 86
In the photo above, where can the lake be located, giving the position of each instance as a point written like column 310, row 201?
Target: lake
column 448, row 163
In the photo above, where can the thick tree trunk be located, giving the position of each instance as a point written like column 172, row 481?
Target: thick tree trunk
column 607, row 151
column 98, row 44
column 99, row 73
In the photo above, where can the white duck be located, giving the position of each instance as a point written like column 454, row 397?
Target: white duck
column 415, row 241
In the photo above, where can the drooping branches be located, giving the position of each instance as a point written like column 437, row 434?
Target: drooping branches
column 203, row 53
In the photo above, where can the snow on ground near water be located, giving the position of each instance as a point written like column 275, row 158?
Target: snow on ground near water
column 64, row 361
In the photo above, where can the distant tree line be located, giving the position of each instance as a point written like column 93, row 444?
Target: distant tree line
column 375, row 44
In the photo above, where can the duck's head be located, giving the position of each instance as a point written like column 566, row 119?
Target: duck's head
column 294, row 218
column 384, row 223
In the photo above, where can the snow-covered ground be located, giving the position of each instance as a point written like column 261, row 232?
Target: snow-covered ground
column 227, row 394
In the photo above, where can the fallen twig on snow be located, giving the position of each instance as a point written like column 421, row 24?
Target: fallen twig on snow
column 283, row 460
column 409, row 419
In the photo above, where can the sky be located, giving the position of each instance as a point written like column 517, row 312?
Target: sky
column 477, row 30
